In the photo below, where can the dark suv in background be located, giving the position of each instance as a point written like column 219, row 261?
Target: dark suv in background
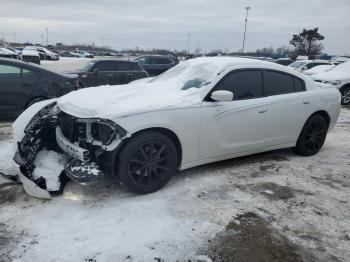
column 109, row 72
column 156, row 64
column 23, row 84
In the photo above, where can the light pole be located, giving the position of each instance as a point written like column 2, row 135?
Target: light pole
column 188, row 43
column 47, row 36
column 247, row 8
column 42, row 40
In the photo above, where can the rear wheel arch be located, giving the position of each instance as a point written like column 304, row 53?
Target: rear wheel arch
column 322, row 113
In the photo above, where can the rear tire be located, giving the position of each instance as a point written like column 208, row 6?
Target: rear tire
column 147, row 162
column 345, row 95
column 312, row 136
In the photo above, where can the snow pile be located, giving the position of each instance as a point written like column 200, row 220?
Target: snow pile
column 49, row 165
column 339, row 72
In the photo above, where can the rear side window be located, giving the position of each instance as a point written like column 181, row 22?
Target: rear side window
column 7, row 71
column 126, row 66
column 243, row 84
column 104, row 66
column 160, row 60
column 298, row 85
column 276, row 83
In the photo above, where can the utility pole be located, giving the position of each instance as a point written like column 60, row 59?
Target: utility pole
column 14, row 37
column 47, row 36
column 188, row 43
column 247, row 8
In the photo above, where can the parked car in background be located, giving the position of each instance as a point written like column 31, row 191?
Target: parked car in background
column 303, row 65
column 23, row 84
column 338, row 77
column 201, row 111
column 30, row 56
column 7, row 53
column 318, row 69
column 156, row 64
column 109, row 72
column 44, row 53
column 68, row 54
column 283, row 61
column 84, row 54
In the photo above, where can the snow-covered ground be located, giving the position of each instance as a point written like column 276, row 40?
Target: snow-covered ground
column 304, row 198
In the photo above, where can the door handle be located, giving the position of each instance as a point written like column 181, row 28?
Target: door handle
column 264, row 110
column 109, row 75
column 305, row 102
column 130, row 74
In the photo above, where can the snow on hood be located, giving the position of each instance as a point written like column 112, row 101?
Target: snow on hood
column 339, row 72
column 115, row 101
column 176, row 88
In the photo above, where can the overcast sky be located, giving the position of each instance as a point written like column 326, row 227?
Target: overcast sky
column 213, row 24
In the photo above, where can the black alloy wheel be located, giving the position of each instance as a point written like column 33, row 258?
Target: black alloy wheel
column 312, row 136
column 345, row 96
column 147, row 162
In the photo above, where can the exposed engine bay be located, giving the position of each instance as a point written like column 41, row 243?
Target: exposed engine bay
column 89, row 146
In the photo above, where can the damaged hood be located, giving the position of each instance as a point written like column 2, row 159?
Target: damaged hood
column 111, row 102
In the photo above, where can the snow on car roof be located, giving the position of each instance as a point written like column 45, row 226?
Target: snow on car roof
column 30, row 52
column 4, row 50
column 338, row 72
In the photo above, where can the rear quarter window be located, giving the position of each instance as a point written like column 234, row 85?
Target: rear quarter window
column 277, row 83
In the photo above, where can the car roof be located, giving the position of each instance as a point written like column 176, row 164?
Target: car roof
column 113, row 60
column 26, row 64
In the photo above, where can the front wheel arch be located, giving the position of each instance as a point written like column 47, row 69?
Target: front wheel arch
column 174, row 138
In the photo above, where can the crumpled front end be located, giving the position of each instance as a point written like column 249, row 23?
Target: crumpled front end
column 56, row 147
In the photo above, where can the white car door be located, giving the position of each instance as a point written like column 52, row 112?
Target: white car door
column 289, row 107
column 238, row 126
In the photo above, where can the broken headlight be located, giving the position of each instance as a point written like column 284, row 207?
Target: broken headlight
column 106, row 132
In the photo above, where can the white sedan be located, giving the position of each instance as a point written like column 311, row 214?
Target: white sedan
column 201, row 111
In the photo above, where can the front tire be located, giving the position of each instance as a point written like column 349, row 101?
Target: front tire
column 312, row 136
column 345, row 95
column 147, row 162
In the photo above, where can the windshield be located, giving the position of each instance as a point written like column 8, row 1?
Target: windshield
column 297, row 64
column 87, row 67
column 187, row 75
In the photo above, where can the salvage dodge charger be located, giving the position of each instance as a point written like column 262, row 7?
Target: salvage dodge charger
column 201, row 111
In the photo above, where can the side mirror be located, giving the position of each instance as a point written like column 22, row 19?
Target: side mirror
column 95, row 70
column 222, row 96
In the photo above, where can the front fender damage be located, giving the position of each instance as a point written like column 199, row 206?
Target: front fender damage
column 46, row 164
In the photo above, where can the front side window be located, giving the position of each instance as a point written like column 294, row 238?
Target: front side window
column 276, row 83
column 7, row 71
column 142, row 60
column 104, row 66
column 243, row 84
